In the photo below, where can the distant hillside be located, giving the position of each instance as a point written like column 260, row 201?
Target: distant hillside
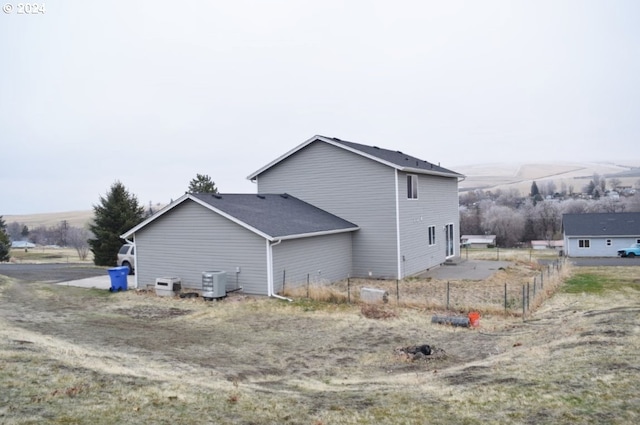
column 520, row 176
column 481, row 176
column 74, row 218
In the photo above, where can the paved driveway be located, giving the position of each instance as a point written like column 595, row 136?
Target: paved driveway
column 605, row 262
column 70, row 274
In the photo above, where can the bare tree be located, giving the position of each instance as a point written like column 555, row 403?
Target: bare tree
column 506, row 223
column 78, row 239
column 549, row 188
column 614, row 183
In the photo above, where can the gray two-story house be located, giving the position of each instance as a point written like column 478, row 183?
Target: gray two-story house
column 326, row 210
column 406, row 208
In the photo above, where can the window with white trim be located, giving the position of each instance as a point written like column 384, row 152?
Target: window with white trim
column 584, row 243
column 432, row 235
column 412, row 186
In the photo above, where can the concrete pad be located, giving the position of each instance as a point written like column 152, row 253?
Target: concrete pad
column 466, row 270
column 98, row 282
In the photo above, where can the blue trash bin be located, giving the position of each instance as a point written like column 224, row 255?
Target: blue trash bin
column 118, row 277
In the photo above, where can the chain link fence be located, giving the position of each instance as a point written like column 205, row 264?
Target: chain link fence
column 518, row 297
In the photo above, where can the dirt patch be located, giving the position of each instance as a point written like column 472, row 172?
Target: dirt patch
column 152, row 312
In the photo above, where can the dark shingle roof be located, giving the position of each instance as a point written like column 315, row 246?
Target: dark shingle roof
column 276, row 215
column 395, row 157
column 601, row 224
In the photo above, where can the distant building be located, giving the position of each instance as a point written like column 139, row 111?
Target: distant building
column 478, row 241
column 557, row 245
column 22, row 244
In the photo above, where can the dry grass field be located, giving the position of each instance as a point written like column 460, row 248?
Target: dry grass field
column 75, row 356
column 570, row 174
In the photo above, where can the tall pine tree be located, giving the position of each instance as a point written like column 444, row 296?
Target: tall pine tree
column 202, row 184
column 118, row 212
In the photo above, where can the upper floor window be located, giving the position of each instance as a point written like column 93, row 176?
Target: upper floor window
column 412, row 186
column 584, row 243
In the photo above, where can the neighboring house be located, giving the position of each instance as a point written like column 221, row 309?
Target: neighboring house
column 478, row 241
column 557, row 245
column 599, row 234
column 387, row 215
column 406, row 208
column 259, row 240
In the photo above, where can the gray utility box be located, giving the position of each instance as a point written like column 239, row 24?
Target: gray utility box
column 214, row 284
column 167, row 286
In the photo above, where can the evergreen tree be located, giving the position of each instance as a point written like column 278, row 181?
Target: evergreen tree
column 535, row 193
column 202, row 184
column 118, row 212
column 534, row 190
column 5, row 242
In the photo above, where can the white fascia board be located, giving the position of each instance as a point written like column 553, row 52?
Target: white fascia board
column 155, row 216
column 199, row 202
column 255, row 174
column 429, row 172
column 310, row 235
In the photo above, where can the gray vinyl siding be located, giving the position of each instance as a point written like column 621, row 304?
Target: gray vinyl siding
column 597, row 246
column 437, row 205
column 324, row 259
column 191, row 239
column 352, row 187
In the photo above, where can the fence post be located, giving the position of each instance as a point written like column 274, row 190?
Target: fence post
column 284, row 275
column 447, row 295
column 505, row 297
column 528, row 296
column 348, row 290
column 397, row 291
column 307, row 285
column 523, row 302
column 542, row 277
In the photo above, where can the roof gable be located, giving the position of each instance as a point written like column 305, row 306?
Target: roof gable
column 394, row 159
column 272, row 216
column 601, row 224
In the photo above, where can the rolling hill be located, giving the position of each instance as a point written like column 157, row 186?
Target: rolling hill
column 491, row 177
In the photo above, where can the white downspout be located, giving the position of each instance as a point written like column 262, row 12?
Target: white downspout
column 135, row 262
column 270, row 291
column 398, row 246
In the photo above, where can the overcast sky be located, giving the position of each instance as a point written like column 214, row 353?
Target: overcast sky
column 150, row 93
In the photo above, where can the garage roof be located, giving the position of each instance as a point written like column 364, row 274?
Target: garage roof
column 273, row 216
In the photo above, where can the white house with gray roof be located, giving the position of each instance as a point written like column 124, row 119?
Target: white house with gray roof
column 599, row 234
column 325, row 210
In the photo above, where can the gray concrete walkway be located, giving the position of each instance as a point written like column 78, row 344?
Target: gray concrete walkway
column 98, row 282
column 466, row 270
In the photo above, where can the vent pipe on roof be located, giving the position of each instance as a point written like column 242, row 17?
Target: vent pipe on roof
column 260, row 196
column 215, row 195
